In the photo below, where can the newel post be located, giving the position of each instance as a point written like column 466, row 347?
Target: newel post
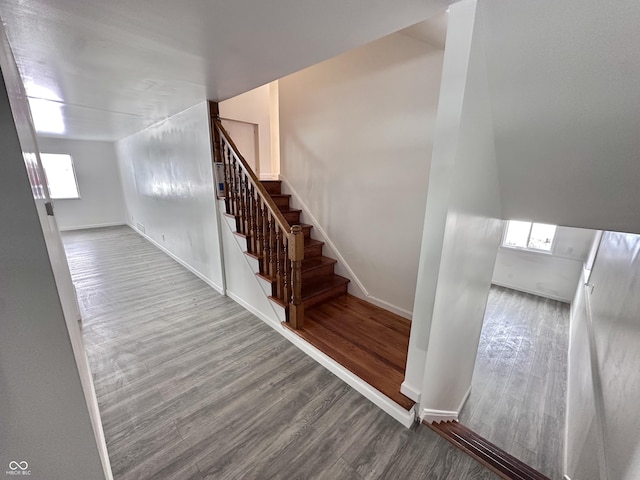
column 219, row 168
column 296, row 255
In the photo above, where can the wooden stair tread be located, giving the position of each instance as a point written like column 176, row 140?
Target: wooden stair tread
column 312, row 241
column 502, row 463
column 290, row 210
column 383, row 343
column 317, row 262
column 308, row 264
column 322, row 285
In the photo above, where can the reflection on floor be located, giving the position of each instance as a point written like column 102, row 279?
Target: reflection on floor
column 518, row 393
column 192, row 386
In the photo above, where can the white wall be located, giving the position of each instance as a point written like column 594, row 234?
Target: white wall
column 552, row 275
column 462, row 228
column 564, row 96
column 96, row 166
column 613, row 384
column 254, row 107
column 44, row 418
column 356, row 135
column 167, row 180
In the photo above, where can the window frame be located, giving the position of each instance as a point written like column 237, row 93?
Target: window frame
column 73, row 170
column 528, row 248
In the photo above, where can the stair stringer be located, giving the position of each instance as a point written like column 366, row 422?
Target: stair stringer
column 243, row 285
column 255, row 299
column 356, row 287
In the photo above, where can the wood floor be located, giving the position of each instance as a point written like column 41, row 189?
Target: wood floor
column 192, row 386
column 518, row 392
column 367, row 340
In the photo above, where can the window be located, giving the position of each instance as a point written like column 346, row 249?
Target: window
column 530, row 236
column 61, row 177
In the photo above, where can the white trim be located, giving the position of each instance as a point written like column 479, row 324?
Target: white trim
column 269, row 176
column 364, row 293
column 532, row 292
column 95, row 225
column 410, row 391
column 431, row 416
column 464, row 400
column 566, row 477
column 201, row 276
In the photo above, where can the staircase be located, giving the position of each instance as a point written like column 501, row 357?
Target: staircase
column 319, row 281
column 288, row 258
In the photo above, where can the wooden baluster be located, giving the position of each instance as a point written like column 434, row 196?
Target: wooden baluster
column 296, row 254
column 286, row 271
column 243, row 204
column 233, row 178
column 270, row 240
column 265, row 240
column 278, row 240
column 219, row 148
column 247, row 205
column 227, row 177
column 257, row 225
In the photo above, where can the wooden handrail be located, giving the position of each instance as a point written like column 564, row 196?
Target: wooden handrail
column 278, row 246
column 255, row 181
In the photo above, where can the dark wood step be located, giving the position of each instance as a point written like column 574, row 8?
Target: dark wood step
column 312, row 247
column 312, row 269
column 273, row 187
column 318, row 266
column 281, row 200
column 292, row 215
column 306, row 229
column 485, row 452
column 322, row 289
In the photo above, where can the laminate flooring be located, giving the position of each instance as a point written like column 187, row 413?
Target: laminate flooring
column 192, row 386
column 518, row 392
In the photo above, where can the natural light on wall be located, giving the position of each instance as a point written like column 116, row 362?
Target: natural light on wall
column 46, row 109
column 531, row 236
column 61, row 177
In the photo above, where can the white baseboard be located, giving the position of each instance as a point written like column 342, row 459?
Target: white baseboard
column 201, row 276
column 464, row 400
column 532, row 292
column 428, row 415
column 95, row 225
column 431, row 416
column 410, row 391
column 363, row 292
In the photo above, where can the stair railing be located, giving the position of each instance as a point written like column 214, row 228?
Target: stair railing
column 278, row 246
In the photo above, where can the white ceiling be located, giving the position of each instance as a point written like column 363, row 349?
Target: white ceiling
column 564, row 83
column 110, row 68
